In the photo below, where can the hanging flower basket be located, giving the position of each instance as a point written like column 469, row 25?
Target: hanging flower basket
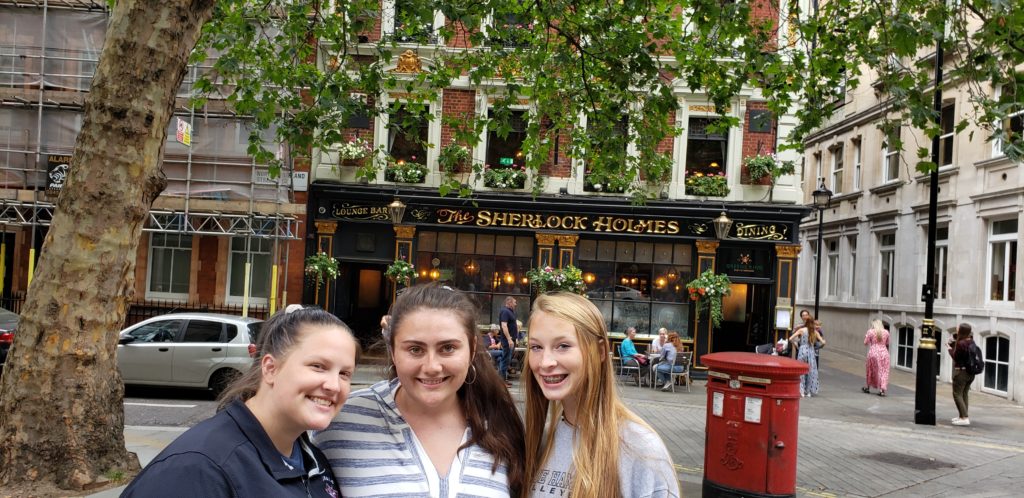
column 548, row 279
column 708, row 289
column 321, row 267
column 401, row 272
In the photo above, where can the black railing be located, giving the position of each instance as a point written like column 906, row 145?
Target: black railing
column 140, row 310
column 13, row 302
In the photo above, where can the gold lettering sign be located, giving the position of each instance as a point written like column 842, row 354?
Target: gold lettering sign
column 752, row 231
column 613, row 224
column 454, row 216
column 360, row 212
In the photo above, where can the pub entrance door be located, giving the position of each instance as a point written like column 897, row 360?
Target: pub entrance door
column 362, row 299
column 746, row 318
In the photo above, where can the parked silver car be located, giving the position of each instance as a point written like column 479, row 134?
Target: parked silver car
column 201, row 350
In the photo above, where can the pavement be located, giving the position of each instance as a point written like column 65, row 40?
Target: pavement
column 850, row 444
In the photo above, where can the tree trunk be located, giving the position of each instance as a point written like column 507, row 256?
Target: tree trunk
column 61, row 400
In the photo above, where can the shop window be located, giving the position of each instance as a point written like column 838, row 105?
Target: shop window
column 1002, row 256
column 887, row 265
column 1012, row 127
column 638, row 284
column 488, row 267
column 170, row 263
column 505, row 139
column 705, row 150
column 890, row 158
column 905, row 347
column 407, row 134
column 258, row 253
column 837, row 169
column 946, row 122
column 832, row 288
column 941, row 261
column 997, row 363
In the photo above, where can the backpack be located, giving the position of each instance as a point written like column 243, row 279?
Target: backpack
column 975, row 361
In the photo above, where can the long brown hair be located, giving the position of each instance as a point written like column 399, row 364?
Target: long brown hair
column 812, row 331
column 595, row 456
column 673, row 337
column 490, row 412
column 277, row 337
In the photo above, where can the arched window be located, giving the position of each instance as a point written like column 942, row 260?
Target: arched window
column 997, row 363
column 905, row 346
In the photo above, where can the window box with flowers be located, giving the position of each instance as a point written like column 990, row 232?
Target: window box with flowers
column 354, row 152
column 512, row 177
column 709, row 185
column 602, row 182
column 401, row 272
column 320, row 268
column 548, row 279
column 707, row 290
column 401, row 171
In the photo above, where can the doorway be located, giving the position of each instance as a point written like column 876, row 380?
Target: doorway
column 361, row 299
column 746, row 321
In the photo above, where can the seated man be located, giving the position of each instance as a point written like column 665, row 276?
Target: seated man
column 631, row 357
column 493, row 345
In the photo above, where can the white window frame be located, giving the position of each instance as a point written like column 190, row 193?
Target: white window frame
column 890, row 155
column 817, row 169
column 255, row 248
column 387, row 21
column 905, row 350
column 176, row 296
column 832, row 265
column 993, row 363
column 886, row 257
column 941, row 265
column 856, row 164
column 852, row 284
column 1009, row 243
column 837, row 168
column 997, row 144
column 383, row 121
column 948, row 130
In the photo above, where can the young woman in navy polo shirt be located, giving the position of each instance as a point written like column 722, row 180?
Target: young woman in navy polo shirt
column 257, row 445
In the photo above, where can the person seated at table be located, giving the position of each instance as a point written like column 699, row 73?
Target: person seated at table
column 493, row 344
column 631, row 357
column 659, row 342
column 666, row 362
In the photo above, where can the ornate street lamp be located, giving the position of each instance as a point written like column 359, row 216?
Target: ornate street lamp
column 396, row 210
column 722, row 225
column 822, row 198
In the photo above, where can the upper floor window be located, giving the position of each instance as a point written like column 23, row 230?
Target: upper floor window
column 833, row 267
column 817, row 167
column 407, row 134
column 170, row 263
column 706, row 150
column 1002, row 256
column 509, row 30
column 505, row 143
column 887, row 265
column 837, row 168
column 1012, row 127
column 257, row 253
column 947, row 121
column 856, row 164
column 941, row 261
column 890, row 158
column 409, row 21
column 852, row 284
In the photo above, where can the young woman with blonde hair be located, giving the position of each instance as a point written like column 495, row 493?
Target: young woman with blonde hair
column 877, row 364
column 580, row 439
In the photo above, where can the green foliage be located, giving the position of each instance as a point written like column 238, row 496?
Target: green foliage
column 716, row 185
column 548, row 279
column 401, row 271
column 511, row 177
column 707, row 290
column 452, row 156
column 321, row 267
column 404, row 172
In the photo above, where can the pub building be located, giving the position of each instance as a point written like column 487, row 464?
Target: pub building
column 636, row 260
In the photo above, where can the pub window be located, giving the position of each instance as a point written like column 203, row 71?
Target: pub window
column 946, row 122
column 170, row 263
column 505, row 138
column 489, row 267
column 407, row 134
column 258, row 255
column 638, row 284
column 705, row 150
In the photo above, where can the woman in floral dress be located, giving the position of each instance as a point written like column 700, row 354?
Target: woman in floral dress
column 877, row 366
column 806, row 338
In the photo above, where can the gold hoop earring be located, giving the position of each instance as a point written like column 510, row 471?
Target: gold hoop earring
column 472, row 369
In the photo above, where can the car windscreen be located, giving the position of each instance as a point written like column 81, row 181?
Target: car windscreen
column 254, row 331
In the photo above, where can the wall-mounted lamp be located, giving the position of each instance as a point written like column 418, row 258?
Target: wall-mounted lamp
column 396, row 210
column 589, row 277
column 722, row 226
column 470, row 267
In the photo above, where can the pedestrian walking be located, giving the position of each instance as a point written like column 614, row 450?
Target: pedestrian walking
column 509, row 335
column 442, row 424
column 580, row 439
column 804, row 316
column 806, row 339
column 667, row 361
column 877, row 363
column 960, row 348
column 256, row 445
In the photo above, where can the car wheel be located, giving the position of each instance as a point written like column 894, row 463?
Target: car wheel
column 221, row 379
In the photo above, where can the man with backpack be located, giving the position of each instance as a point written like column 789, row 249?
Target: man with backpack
column 967, row 362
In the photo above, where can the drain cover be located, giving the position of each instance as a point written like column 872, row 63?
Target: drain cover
column 910, row 461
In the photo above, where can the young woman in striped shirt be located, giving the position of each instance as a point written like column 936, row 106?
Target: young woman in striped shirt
column 443, row 424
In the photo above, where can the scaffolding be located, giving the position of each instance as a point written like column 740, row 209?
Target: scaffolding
column 49, row 51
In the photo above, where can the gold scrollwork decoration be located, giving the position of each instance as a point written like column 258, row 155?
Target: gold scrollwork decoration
column 420, row 214
column 787, row 251
column 326, row 227
column 698, row 228
column 409, row 63
column 707, row 246
column 753, row 231
column 546, row 239
column 405, row 231
column 567, row 240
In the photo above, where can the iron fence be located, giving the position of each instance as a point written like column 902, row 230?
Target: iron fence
column 143, row 309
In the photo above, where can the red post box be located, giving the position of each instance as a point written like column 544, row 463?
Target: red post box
column 751, row 432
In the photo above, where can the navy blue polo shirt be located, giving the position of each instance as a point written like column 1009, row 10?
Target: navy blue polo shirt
column 508, row 315
column 230, row 455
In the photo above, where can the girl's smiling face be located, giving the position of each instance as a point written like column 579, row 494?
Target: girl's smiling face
column 556, row 360
column 431, row 357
